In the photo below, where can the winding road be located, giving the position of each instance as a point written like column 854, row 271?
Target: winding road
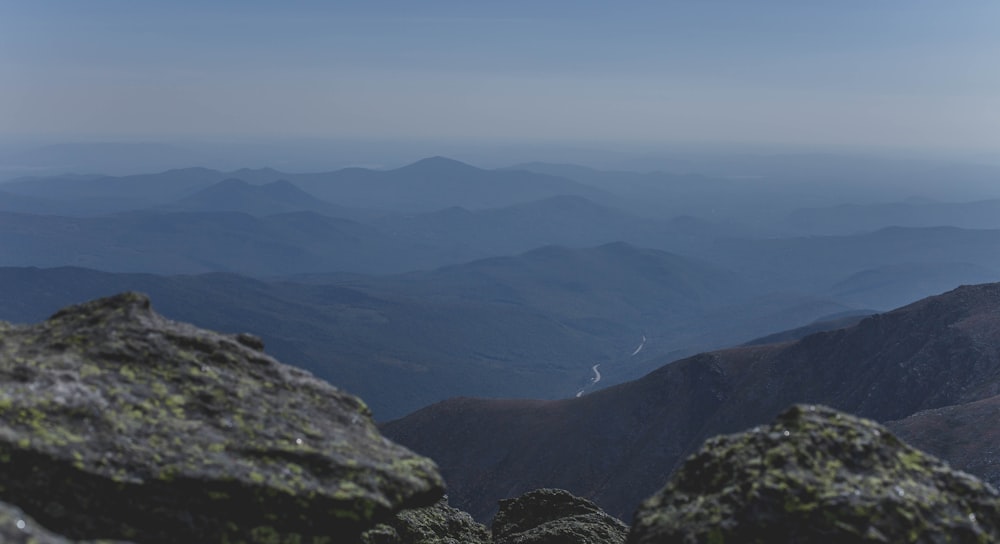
column 597, row 373
column 595, row 379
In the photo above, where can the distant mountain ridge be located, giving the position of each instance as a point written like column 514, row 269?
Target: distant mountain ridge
column 198, row 242
column 812, row 263
column 426, row 185
column 854, row 218
column 236, row 195
column 436, row 183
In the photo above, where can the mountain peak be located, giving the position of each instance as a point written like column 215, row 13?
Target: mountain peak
column 438, row 164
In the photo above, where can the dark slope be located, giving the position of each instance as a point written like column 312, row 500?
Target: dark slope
column 965, row 434
column 614, row 445
column 839, row 321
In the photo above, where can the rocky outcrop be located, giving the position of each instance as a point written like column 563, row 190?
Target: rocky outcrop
column 438, row 524
column 555, row 516
column 118, row 423
column 815, row 476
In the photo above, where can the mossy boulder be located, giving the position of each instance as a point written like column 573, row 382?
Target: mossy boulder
column 118, row 423
column 817, row 476
column 438, row 524
column 555, row 516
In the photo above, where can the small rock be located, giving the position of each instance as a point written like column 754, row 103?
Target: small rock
column 555, row 516
column 438, row 524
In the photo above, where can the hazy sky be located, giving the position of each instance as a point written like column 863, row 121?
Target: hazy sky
column 901, row 73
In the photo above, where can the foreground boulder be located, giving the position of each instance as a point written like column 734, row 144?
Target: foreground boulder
column 554, row 516
column 817, row 476
column 118, row 423
column 438, row 524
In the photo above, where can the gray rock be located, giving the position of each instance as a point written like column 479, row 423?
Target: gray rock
column 118, row 423
column 817, row 476
column 555, row 516
column 438, row 524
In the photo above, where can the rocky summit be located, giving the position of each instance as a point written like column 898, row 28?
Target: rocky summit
column 816, row 476
column 116, row 423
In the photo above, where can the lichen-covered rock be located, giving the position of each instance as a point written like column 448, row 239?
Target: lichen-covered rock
column 816, row 476
column 555, row 516
column 118, row 423
column 438, row 524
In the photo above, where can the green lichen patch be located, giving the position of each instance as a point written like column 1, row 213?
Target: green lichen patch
column 814, row 476
column 203, row 429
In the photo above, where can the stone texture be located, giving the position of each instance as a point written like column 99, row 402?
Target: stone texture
column 555, row 516
column 438, row 524
column 816, row 476
column 118, row 423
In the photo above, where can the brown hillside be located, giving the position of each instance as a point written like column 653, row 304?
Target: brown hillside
column 618, row 445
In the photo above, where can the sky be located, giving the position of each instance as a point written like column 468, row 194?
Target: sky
column 883, row 73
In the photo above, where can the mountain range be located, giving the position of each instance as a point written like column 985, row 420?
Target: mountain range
column 272, row 198
column 532, row 325
column 580, row 307
column 427, row 185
